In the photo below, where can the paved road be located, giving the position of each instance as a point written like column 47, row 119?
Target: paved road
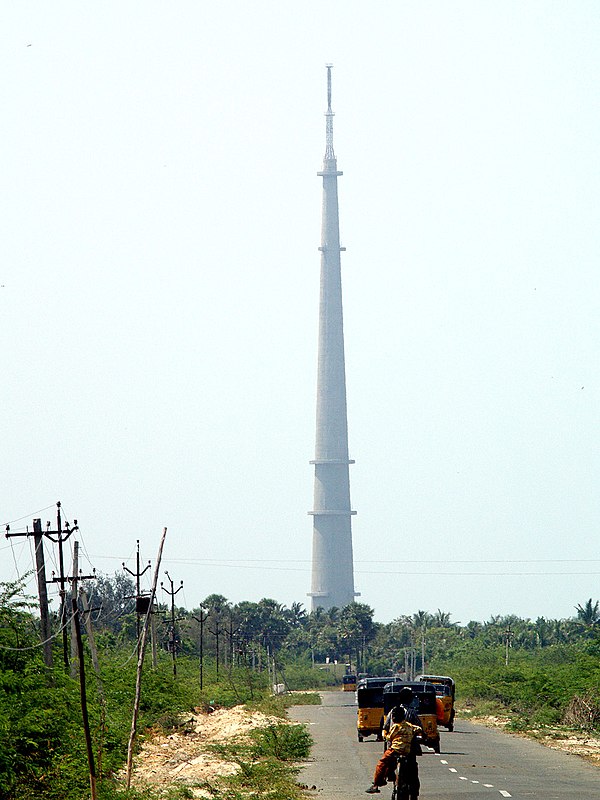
column 476, row 763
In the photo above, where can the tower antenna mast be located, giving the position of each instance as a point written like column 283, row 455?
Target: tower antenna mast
column 332, row 582
column 329, row 154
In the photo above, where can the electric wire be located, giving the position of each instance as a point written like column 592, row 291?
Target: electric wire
column 27, row 516
column 40, row 644
column 226, row 564
column 134, row 651
column 208, row 561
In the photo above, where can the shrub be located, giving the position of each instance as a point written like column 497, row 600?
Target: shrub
column 283, row 742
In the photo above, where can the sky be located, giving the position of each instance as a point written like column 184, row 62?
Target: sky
column 159, row 279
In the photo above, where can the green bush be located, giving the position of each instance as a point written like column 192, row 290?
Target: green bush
column 283, row 742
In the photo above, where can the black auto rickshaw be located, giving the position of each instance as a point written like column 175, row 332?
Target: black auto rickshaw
column 424, row 703
column 445, row 690
column 369, row 716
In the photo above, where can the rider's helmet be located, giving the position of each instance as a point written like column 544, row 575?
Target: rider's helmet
column 406, row 696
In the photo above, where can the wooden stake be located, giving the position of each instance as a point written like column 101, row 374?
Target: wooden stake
column 95, row 664
column 138, row 682
column 84, row 713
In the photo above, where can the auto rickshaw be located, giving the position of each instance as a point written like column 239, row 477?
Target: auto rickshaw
column 369, row 715
column 444, row 689
column 349, row 683
column 426, row 697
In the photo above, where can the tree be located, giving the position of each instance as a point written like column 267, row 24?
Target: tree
column 589, row 614
column 441, row 619
column 296, row 615
column 114, row 601
column 216, row 604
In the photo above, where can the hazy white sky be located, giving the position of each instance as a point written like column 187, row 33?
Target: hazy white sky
column 159, row 267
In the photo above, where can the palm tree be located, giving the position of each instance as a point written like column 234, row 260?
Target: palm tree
column 441, row 619
column 296, row 615
column 589, row 614
column 421, row 619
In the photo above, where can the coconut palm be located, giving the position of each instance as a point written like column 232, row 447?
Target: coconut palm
column 441, row 619
column 589, row 614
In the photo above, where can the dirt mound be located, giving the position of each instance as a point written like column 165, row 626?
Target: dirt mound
column 182, row 756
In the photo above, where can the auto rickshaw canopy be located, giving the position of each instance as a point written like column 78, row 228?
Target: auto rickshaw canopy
column 369, row 692
column 439, row 680
column 423, row 692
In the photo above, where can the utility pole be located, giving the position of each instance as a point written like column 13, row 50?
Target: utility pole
column 74, row 593
column 231, row 634
column 61, row 537
column 173, row 638
column 216, row 635
column 201, row 619
column 152, row 611
column 38, row 539
column 74, row 580
column 508, row 637
column 141, row 601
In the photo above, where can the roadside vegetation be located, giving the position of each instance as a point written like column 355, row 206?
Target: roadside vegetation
column 542, row 672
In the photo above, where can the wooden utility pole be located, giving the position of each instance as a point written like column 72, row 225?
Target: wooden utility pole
column 38, row 538
column 61, row 537
column 138, row 682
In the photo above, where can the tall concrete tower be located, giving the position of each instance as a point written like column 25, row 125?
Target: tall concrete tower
column 332, row 566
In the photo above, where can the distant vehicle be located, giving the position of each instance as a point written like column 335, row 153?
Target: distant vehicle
column 426, row 698
column 369, row 715
column 349, row 683
column 445, row 690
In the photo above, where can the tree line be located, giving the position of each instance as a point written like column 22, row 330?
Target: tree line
column 250, row 630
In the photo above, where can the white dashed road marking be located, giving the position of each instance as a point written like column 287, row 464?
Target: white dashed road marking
column 503, row 792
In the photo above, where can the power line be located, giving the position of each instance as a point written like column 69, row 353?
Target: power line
column 40, row 644
column 244, row 561
column 26, row 516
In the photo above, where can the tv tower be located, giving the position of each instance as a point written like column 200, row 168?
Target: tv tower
column 332, row 566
